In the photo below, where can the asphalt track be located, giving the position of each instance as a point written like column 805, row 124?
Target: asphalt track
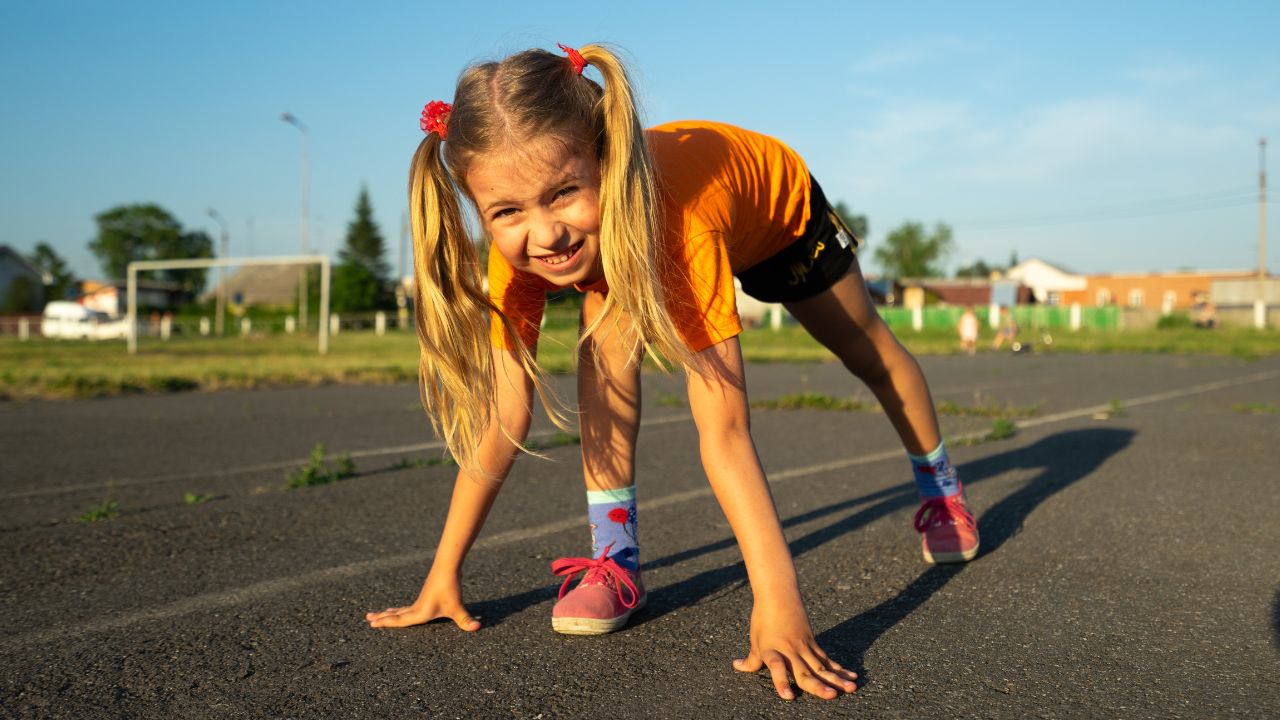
column 1129, row 564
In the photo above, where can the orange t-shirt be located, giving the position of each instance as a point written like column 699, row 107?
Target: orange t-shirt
column 730, row 198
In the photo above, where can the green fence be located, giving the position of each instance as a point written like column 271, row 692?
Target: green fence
column 1032, row 317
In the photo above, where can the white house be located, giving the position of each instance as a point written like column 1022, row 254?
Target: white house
column 1047, row 281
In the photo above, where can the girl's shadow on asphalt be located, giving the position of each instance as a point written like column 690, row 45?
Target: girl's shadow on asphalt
column 1064, row 458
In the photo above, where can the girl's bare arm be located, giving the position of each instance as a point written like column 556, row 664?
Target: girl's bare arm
column 473, row 496
column 781, row 638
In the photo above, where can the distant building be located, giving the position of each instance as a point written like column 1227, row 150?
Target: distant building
column 259, row 285
column 21, row 283
column 112, row 297
column 1162, row 291
column 1244, row 292
column 960, row 291
column 883, row 291
column 1050, row 284
column 918, row 292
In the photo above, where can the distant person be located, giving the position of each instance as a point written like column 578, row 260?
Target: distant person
column 968, row 330
column 1206, row 314
column 1007, row 331
column 651, row 225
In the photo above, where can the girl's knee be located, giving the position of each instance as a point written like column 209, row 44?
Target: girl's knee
column 867, row 366
column 872, row 358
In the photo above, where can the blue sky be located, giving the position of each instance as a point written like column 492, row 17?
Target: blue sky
column 1101, row 136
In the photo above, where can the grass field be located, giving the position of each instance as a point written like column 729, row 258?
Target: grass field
column 75, row 369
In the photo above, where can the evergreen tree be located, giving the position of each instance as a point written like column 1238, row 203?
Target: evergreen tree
column 360, row 279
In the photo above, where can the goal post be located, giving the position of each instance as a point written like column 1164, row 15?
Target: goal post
column 134, row 267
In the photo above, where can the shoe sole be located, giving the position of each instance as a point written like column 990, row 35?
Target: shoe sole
column 595, row 626
column 943, row 558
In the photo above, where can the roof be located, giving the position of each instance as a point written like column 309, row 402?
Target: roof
column 1181, row 273
column 1053, row 266
column 260, row 285
column 89, row 287
column 23, row 260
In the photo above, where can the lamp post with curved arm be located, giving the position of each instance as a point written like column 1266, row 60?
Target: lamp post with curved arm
column 221, row 301
column 291, row 119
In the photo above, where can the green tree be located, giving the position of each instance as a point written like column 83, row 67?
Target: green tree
column 977, row 269
column 360, row 279
column 908, row 252
column 148, row 232
column 20, row 297
column 355, row 289
column 56, row 271
column 857, row 223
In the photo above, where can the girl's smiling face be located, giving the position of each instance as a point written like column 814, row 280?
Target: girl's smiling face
column 540, row 204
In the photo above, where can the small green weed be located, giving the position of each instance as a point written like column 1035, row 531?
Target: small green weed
column 1255, row 408
column 670, row 400
column 560, row 439
column 1001, row 429
column 814, row 401
column 1115, row 408
column 346, row 466
column 196, row 498
column 316, row 472
column 104, row 510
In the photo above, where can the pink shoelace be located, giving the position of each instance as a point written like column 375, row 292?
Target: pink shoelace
column 936, row 511
column 604, row 570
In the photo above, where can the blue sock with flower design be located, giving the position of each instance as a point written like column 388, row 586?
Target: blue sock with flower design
column 612, row 514
column 935, row 475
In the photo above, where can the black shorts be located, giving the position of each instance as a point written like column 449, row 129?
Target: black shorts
column 811, row 264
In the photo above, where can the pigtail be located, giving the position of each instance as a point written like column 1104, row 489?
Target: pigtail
column 451, row 309
column 630, row 226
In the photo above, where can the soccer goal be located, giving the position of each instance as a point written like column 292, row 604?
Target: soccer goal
column 134, row 267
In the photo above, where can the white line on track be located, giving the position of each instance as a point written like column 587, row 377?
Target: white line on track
column 279, row 586
column 275, row 465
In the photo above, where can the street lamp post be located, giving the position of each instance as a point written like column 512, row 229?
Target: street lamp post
column 303, row 213
column 1260, row 305
column 221, row 295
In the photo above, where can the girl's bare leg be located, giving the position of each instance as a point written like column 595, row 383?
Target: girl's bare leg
column 843, row 319
column 608, row 399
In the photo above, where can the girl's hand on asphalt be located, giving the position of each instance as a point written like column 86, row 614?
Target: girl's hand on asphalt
column 437, row 600
column 782, row 641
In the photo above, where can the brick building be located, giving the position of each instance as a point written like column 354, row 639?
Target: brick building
column 1161, row 291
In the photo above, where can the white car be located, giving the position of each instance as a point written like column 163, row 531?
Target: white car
column 74, row 321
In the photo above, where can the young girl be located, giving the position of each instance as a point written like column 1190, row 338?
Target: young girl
column 652, row 226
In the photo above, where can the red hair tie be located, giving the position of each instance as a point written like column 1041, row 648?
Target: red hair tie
column 575, row 58
column 435, row 118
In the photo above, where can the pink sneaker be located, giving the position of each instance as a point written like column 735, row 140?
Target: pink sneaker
column 950, row 532
column 603, row 602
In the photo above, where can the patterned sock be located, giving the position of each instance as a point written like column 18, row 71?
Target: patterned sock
column 612, row 514
column 935, row 475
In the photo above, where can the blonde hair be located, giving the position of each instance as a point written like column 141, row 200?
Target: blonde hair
column 496, row 105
